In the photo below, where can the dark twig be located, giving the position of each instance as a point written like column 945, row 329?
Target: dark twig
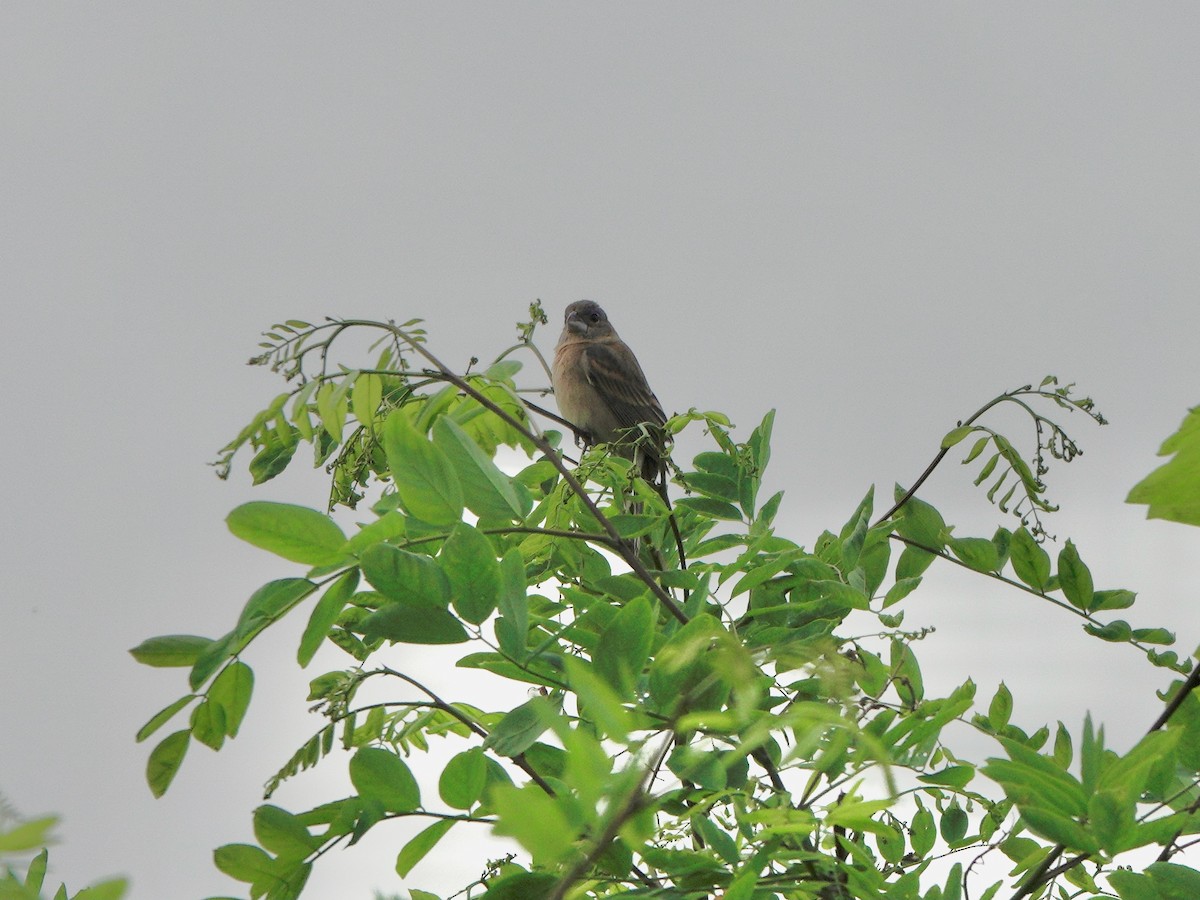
column 519, row 760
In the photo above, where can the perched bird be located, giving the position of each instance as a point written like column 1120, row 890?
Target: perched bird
column 603, row 392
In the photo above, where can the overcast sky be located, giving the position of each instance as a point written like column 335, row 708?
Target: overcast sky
column 872, row 218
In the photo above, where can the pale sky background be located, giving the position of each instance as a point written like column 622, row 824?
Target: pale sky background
column 871, row 218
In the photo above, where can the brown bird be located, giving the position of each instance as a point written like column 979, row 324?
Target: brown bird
column 603, row 392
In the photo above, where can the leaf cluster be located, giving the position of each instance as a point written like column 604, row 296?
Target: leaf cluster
column 713, row 708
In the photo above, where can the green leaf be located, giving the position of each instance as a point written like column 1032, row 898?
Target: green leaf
column 208, row 724
column 231, row 691
column 462, row 781
column 267, row 605
column 331, row 407
column 976, row 449
column 759, row 445
column 954, row 824
column 163, row 716
column 406, row 577
column 165, row 760
column 387, row 527
column 1001, row 708
column 170, row 650
column 1172, row 491
column 743, row 886
column 274, row 457
column 987, row 469
column 1118, row 599
column 1074, row 577
column 1127, row 775
column 912, row 563
column 487, row 491
column 535, row 819
column 469, row 561
column 513, row 601
column 978, row 553
column 717, row 464
column 900, row 590
column 720, row 487
column 955, row 435
column 624, row 646
column 951, row 776
column 381, row 775
column 1153, row 636
column 365, row 397
column 212, row 658
column 1174, row 881
column 424, row 477
column 503, row 370
column 1063, row 751
column 416, row 849
column 762, row 569
column 516, row 732
column 296, row 533
column 27, row 835
column 716, row 837
column 909, row 683
column 1029, row 560
column 521, row 886
column 414, row 623
column 325, row 614
column 244, row 862
column 598, row 702
column 110, row 889
column 1054, row 826
column 1032, row 779
column 920, row 522
column 682, row 672
column 631, row 526
column 283, row 834
column 36, row 873
column 923, row 833
column 1132, row 886
column 702, row 768
column 1111, row 818
column 713, row 509
column 1115, row 631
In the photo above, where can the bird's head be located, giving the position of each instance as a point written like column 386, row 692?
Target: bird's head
column 586, row 319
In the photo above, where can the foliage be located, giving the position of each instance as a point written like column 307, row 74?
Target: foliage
column 1172, row 491
column 20, row 836
column 714, row 710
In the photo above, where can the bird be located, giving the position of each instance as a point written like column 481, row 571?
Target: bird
column 602, row 391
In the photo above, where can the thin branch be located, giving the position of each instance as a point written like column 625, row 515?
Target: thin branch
column 519, row 760
column 1193, row 680
column 549, row 415
column 936, row 460
column 1016, row 584
column 1038, row 419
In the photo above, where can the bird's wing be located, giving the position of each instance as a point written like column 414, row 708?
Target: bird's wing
column 613, row 371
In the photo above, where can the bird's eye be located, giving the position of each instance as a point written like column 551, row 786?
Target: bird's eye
column 595, row 317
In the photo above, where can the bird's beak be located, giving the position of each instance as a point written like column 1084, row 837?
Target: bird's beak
column 575, row 325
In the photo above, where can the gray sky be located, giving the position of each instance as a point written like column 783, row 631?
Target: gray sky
column 871, row 218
